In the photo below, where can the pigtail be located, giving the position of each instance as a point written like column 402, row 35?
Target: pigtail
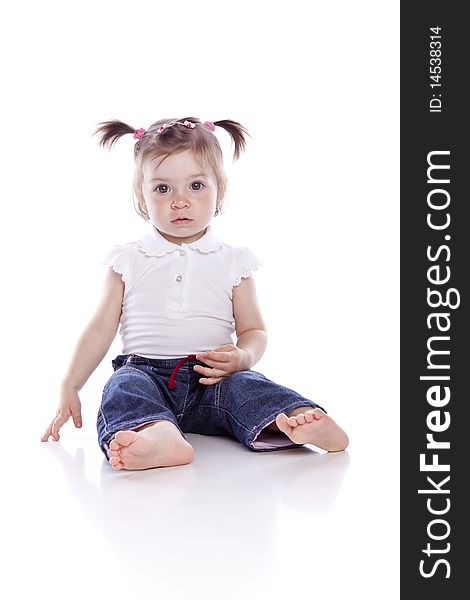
column 237, row 132
column 110, row 131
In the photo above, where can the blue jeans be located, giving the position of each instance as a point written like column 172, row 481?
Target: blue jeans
column 240, row 405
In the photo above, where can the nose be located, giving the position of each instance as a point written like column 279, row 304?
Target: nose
column 180, row 200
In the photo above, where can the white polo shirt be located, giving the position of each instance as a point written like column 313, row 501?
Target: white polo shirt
column 178, row 298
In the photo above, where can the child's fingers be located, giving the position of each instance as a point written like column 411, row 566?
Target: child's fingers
column 77, row 417
column 209, row 371
column 205, row 359
column 213, row 357
column 210, row 380
column 58, row 422
column 221, row 354
column 47, row 433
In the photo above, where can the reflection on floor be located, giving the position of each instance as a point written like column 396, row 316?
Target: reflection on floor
column 234, row 524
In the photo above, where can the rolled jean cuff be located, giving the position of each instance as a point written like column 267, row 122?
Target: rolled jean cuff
column 266, row 440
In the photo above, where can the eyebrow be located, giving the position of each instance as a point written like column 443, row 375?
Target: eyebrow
column 189, row 177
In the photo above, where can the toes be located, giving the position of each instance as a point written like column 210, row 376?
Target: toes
column 282, row 421
column 115, row 462
column 113, row 445
column 318, row 413
column 124, row 438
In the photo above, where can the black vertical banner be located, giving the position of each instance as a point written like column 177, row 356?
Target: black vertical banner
column 434, row 305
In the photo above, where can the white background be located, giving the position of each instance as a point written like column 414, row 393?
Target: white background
column 315, row 196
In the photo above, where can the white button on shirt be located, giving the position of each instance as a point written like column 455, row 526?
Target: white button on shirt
column 178, row 298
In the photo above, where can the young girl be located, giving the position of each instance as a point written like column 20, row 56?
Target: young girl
column 180, row 293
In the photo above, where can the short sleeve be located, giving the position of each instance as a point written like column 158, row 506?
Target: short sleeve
column 244, row 263
column 118, row 259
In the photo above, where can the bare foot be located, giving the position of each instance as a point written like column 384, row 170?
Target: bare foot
column 158, row 445
column 313, row 427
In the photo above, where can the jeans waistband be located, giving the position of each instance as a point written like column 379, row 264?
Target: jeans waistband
column 169, row 363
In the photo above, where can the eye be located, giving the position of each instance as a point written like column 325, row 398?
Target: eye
column 161, row 185
column 199, row 185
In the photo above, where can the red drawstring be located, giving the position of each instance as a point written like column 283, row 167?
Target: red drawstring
column 171, row 383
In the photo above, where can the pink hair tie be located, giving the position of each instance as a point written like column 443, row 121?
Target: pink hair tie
column 162, row 128
column 209, row 125
column 138, row 133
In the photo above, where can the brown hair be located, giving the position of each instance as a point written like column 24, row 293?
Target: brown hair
column 154, row 143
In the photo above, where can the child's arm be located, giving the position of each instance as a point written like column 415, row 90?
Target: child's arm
column 89, row 352
column 251, row 338
column 249, row 324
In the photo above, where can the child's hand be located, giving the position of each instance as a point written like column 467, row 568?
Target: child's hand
column 69, row 406
column 222, row 361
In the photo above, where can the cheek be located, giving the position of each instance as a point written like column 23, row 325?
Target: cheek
column 213, row 197
column 210, row 205
column 155, row 202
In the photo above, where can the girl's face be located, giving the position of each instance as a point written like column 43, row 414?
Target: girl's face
column 180, row 196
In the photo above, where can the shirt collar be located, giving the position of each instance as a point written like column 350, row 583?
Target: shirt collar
column 154, row 244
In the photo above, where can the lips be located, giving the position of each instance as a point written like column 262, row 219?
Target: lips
column 182, row 221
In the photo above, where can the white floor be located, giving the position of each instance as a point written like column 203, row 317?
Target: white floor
column 234, row 524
